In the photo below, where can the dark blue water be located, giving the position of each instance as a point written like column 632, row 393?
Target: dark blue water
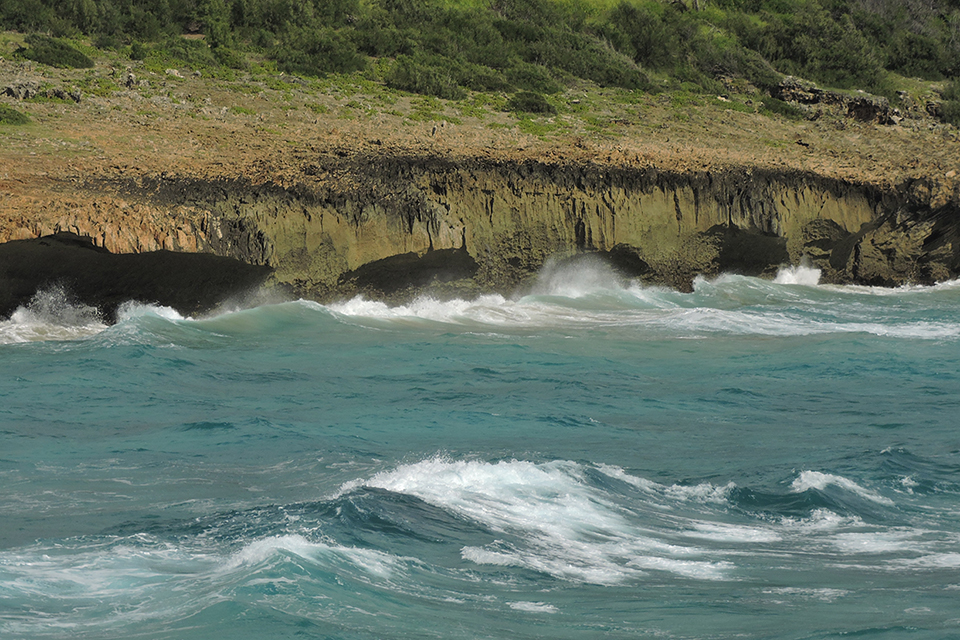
column 595, row 459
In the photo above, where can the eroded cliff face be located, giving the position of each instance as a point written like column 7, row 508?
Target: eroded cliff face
column 389, row 225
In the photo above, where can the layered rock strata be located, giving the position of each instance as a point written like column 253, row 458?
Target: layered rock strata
column 396, row 225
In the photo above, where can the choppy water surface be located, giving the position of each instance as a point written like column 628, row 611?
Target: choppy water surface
column 596, row 459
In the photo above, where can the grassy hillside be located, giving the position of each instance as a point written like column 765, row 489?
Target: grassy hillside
column 447, row 48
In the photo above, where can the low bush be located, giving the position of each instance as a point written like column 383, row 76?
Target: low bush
column 532, row 77
column 530, row 102
column 12, row 116
column 775, row 106
column 230, row 58
column 477, row 77
column 176, row 51
column 54, row 52
column 138, row 51
column 317, row 52
column 421, row 75
column 951, row 103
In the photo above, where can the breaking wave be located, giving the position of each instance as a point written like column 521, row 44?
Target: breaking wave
column 51, row 315
column 565, row 298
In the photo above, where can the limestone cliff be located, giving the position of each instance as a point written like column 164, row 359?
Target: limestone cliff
column 392, row 225
column 382, row 224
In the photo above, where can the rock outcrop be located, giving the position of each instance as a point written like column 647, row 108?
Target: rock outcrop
column 189, row 282
column 861, row 106
column 394, row 225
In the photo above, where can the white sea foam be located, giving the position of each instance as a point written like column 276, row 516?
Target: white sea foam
column 51, row 315
column 823, row 594
column 577, row 278
column 131, row 310
column 492, row 309
column 259, row 551
column 803, row 273
column 865, row 542
column 533, row 607
column 565, row 527
column 99, row 587
column 819, row 481
column 703, row 492
column 931, row 561
column 720, row 532
column 820, row 521
column 586, row 292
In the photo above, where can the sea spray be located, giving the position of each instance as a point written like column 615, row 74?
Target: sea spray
column 804, row 273
column 51, row 314
column 577, row 277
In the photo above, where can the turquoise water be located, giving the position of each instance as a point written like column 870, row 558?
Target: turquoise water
column 594, row 459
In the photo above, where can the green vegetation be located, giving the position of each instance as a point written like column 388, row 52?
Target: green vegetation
column 446, row 48
column 530, row 102
column 12, row 116
column 781, row 108
column 53, row 52
column 951, row 104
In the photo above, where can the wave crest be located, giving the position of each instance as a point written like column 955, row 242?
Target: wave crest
column 819, row 481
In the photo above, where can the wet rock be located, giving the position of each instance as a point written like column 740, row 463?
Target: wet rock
column 189, row 282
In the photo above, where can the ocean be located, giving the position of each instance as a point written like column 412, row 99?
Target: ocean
column 587, row 458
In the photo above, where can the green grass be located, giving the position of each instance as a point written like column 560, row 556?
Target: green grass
column 317, row 108
column 97, row 85
column 537, row 126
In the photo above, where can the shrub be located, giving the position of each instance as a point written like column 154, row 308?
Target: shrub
column 105, row 41
column 530, row 102
column 229, row 58
column 181, row 52
column 532, row 77
column 951, row 112
column 54, row 52
column 480, row 78
column 775, row 106
column 316, row 52
column 951, row 103
column 643, row 35
column 138, row 51
column 420, row 75
column 813, row 45
column 12, row 116
column 913, row 54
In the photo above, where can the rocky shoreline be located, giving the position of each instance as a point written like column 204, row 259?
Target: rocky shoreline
column 393, row 227
column 191, row 283
column 391, row 206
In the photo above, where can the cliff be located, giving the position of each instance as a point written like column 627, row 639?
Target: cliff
column 390, row 204
column 386, row 224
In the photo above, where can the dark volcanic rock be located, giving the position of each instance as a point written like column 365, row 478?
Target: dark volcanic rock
column 386, row 277
column 189, row 282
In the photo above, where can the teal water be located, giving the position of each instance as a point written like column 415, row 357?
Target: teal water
column 594, row 459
